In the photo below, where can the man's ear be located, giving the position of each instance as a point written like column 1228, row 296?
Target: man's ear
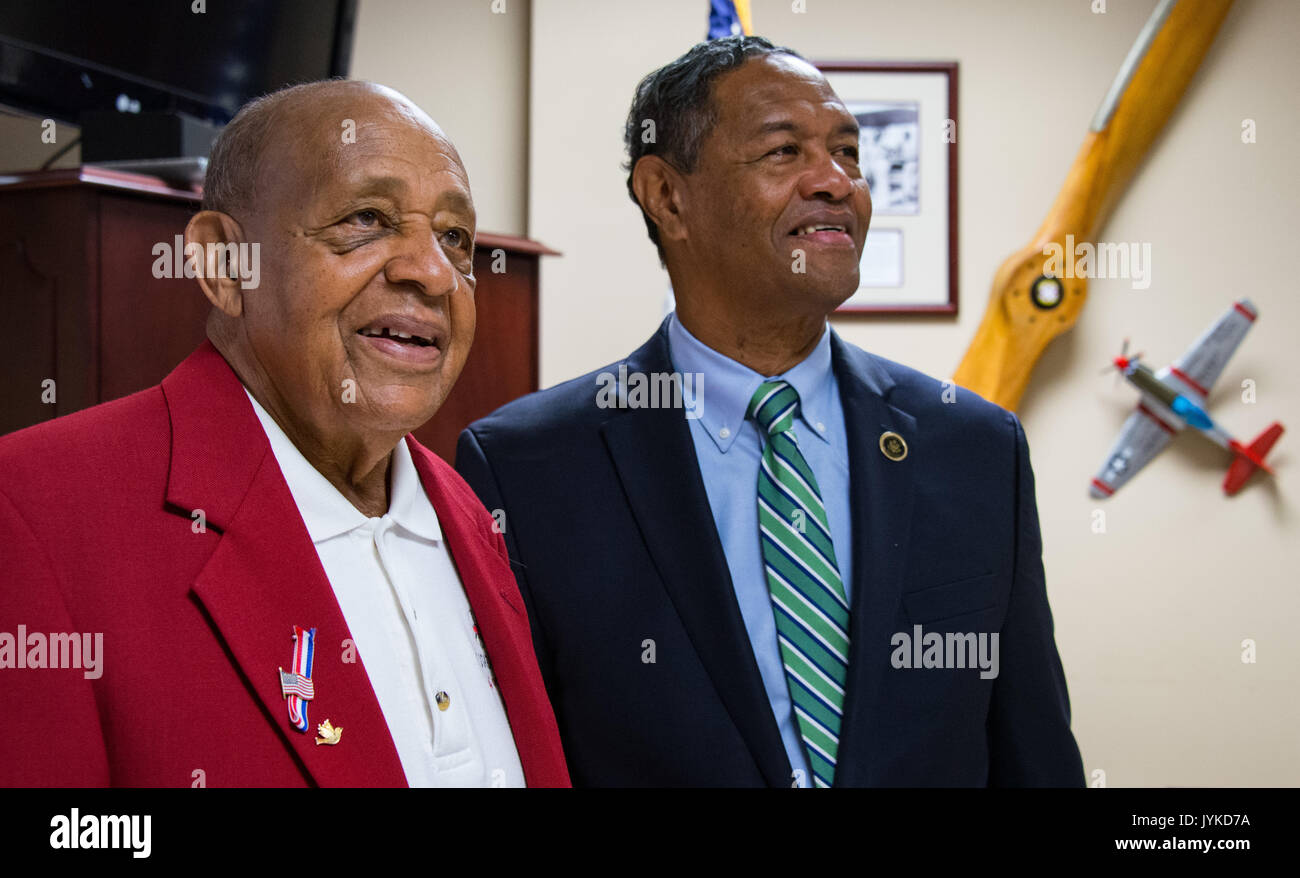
column 661, row 190
column 214, row 234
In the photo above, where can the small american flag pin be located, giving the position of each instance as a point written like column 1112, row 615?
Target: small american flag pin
column 296, row 687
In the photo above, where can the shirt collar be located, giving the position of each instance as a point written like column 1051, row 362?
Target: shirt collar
column 326, row 512
column 729, row 385
column 409, row 506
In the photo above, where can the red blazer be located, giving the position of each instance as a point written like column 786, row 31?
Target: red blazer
column 97, row 536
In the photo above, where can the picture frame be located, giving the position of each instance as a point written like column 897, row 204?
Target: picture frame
column 907, row 113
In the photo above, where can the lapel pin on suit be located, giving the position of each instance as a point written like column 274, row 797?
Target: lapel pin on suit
column 328, row 734
column 297, row 688
column 893, row 446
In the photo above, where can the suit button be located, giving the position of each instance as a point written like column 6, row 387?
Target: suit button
column 443, row 699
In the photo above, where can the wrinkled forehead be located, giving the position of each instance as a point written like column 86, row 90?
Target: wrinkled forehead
column 772, row 84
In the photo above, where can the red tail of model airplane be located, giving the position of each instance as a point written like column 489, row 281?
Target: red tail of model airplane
column 1248, row 458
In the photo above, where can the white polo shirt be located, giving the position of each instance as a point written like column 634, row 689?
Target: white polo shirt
column 411, row 623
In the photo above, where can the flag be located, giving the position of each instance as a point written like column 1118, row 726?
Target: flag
column 729, row 18
column 296, row 684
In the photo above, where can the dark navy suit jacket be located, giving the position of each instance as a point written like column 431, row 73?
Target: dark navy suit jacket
column 613, row 544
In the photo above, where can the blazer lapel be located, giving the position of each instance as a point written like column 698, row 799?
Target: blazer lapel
column 880, row 497
column 265, row 576
column 490, row 587
column 656, row 463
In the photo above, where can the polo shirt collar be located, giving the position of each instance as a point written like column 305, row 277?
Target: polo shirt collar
column 326, row 512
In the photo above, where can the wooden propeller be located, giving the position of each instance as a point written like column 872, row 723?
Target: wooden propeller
column 1028, row 307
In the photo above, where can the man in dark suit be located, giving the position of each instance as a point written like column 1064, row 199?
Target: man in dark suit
column 754, row 554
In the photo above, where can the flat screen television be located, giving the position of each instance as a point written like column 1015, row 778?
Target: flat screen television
column 60, row 58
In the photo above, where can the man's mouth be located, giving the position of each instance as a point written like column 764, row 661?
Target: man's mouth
column 833, row 235
column 825, row 228
column 813, row 228
column 412, row 341
column 396, row 335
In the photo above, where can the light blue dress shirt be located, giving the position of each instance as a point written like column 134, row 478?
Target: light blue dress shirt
column 729, row 449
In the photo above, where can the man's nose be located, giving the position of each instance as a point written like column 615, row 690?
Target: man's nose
column 825, row 179
column 421, row 262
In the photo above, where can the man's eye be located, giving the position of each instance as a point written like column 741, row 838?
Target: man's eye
column 367, row 218
column 455, row 237
column 788, row 149
column 851, row 152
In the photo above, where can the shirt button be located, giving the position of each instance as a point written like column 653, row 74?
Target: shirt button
column 724, row 433
column 821, row 428
column 443, row 699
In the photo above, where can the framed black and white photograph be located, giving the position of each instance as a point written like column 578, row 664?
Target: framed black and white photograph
column 907, row 121
column 889, row 153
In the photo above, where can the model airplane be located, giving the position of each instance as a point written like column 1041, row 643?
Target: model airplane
column 1174, row 398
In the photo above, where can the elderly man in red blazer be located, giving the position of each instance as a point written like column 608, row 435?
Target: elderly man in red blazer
column 251, row 574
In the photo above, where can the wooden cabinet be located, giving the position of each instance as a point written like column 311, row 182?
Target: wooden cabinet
column 81, row 305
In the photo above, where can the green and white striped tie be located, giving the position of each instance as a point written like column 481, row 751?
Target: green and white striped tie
column 803, row 577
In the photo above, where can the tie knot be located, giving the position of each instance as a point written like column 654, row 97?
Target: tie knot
column 774, row 407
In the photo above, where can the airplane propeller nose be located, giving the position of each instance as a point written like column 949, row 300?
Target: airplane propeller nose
column 1122, row 362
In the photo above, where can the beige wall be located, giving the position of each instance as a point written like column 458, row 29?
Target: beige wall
column 467, row 66
column 1150, row 615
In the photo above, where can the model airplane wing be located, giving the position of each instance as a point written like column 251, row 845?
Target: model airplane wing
column 1142, row 437
column 1198, row 369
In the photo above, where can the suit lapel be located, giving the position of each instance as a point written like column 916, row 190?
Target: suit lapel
column 655, row 458
column 265, row 576
column 880, row 497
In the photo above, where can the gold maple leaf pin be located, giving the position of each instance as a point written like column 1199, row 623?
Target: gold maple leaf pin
column 327, row 734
